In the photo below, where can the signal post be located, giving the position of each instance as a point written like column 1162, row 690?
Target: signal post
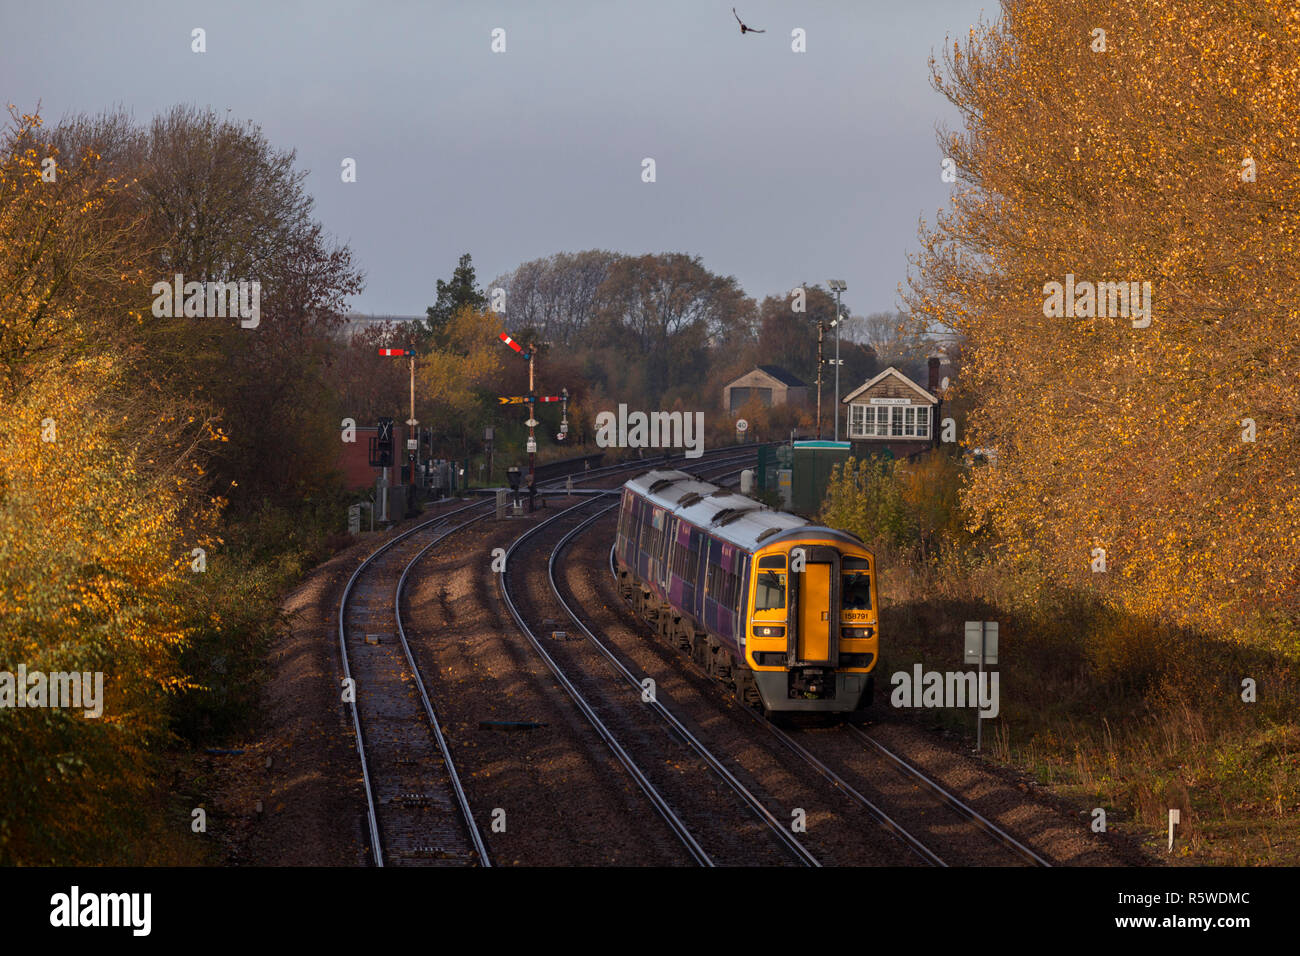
column 412, row 444
column 532, row 399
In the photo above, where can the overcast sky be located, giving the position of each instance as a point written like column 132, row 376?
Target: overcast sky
column 773, row 166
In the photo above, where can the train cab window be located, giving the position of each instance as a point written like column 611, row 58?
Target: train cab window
column 769, row 591
column 856, row 588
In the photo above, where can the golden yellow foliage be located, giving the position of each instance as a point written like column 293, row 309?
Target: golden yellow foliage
column 1129, row 165
column 92, row 526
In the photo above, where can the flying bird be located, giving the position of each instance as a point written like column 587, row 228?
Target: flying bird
column 744, row 29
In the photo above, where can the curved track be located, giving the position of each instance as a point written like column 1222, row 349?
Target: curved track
column 969, row 817
column 662, row 805
column 417, row 812
column 406, row 773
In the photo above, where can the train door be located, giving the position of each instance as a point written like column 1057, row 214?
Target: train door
column 817, row 587
column 669, row 548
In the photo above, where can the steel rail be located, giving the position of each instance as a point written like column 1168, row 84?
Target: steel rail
column 985, row 824
column 372, row 816
column 376, row 852
column 475, row 836
column 787, row 838
column 892, row 826
column 879, row 815
column 675, row 823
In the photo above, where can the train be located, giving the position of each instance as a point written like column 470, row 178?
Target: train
column 782, row 610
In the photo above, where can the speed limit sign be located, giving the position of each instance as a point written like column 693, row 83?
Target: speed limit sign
column 741, row 425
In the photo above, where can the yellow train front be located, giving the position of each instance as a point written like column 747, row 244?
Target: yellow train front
column 782, row 610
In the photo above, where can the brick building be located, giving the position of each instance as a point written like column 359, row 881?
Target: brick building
column 770, row 384
column 353, row 459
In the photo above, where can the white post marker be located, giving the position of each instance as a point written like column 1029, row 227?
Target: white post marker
column 981, row 649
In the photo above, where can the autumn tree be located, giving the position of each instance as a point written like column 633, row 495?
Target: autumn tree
column 787, row 337
column 365, row 384
column 460, row 292
column 218, row 203
column 1153, row 436
column 101, row 499
column 556, row 296
column 457, row 380
column 665, row 312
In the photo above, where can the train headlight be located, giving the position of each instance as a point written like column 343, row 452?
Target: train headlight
column 852, row 632
column 768, row 630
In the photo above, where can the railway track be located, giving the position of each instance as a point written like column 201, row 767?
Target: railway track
column 893, row 763
column 955, row 803
column 970, row 819
column 417, row 812
column 618, row 718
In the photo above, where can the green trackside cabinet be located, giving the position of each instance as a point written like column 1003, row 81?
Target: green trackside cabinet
column 812, row 464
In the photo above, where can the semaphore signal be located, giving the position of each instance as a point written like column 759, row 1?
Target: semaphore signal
column 515, row 345
column 532, row 399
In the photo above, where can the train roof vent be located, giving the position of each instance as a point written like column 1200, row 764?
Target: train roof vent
column 767, row 533
column 720, row 493
column 660, row 485
column 690, row 498
column 728, row 515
